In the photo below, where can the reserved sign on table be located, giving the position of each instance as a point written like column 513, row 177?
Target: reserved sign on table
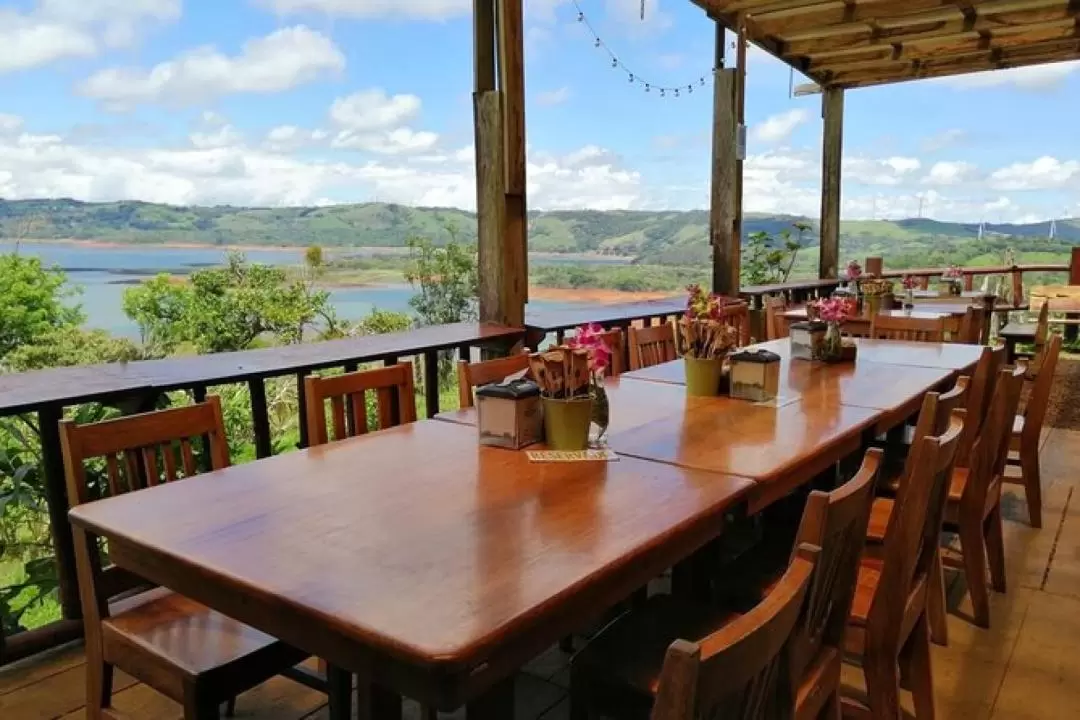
column 572, row 455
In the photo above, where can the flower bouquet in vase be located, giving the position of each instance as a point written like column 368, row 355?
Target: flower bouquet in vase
column 570, row 377
column 953, row 278
column 878, row 295
column 854, row 275
column 704, row 341
column 591, row 339
column 910, row 282
column 834, row 312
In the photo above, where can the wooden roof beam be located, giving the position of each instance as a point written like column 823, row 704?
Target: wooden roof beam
column 990, row 16
column 1044, row 53
column 782, row 23
column 948, row 45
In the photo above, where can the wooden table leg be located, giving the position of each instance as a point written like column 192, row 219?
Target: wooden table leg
column 495, row 704
column 339, row 689
column 380, row 703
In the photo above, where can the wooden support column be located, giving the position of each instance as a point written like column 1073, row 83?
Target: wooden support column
column 832, row 110
column 499, row 115
column 724, row 212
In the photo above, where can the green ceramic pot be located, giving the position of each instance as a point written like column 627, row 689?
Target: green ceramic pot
column 703, row 376
column 566, row 423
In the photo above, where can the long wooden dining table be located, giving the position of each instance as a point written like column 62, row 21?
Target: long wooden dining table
column 436, row 567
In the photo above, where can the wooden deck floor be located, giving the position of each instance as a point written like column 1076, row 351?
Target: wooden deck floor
column 1025, row 666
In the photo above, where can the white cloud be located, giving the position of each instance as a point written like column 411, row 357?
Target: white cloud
column 10, row 123
column 58, row 29
column 280, row 61
column 778, row 128
column 231, row 171
column 224, row 136
column 374, row 110
column 949, row 173
column 285, row 138
column 553, row 97
column 1045, row 173
column 879, row 171
column 942, row 140
column 374, row 122
column 1033, row 77
column 417, row 9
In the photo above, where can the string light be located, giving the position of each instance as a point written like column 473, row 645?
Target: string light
column 632, row 77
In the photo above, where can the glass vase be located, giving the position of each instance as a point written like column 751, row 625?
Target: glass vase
column 832, row 344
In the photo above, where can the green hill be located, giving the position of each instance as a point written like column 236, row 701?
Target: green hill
column 660, row 237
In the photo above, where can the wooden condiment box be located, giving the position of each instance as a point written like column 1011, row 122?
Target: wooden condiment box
column 509, row 414
column 806, row 337
column 755, row 375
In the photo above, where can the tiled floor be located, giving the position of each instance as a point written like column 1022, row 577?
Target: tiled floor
column 1026, row 666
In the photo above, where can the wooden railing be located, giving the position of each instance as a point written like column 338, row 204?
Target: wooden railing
column 136, row 386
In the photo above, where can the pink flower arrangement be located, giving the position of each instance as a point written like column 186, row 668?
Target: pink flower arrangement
column 854, row 270
column 910, row 282
column 834, row 310
column 953, row 272
column 591, row 337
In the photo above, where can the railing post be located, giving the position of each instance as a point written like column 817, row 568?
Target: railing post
column 260, row 418
column 969, row 281
column 874, row 266
column 1017, row 287
column 56, row 498
column 431, row 382
column 1074, row 267
column 301, row 401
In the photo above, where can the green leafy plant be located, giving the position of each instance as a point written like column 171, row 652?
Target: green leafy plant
column 33, row 302
column 768, row 259
column 446, row 278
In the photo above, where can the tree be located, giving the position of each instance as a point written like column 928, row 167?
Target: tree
column 70, row 345
column 447, row 280
column 227, row 308
column 32, row 302
column 768, row 259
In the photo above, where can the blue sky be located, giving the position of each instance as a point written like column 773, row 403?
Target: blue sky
column 276, row 102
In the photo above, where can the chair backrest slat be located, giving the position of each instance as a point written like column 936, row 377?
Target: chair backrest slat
column 895, row 327
column 980, row 390
column 737, row 315
column 473, row 375
column 651, row 345
column 393, row 388
column 835, row 522
column 934, row 418
column 741, row 671
column 971, row 327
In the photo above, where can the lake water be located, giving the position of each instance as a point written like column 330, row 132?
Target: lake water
column 103, row 273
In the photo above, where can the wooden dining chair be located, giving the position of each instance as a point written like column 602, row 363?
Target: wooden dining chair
column 395, row 401
column 1042, row 332
column 889, row 623
column 739, row 668
column 737, row 315
column 651, row 345
column 616, row 342
column 935, row 417
column 972, row 326
column 473, row 375
column 192, row 654
column 622, row 668
column 973, row 508
column 775, row 323
column 1027, row 431
column 894, row 327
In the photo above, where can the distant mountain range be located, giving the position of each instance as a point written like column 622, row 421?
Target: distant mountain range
column 664, row 237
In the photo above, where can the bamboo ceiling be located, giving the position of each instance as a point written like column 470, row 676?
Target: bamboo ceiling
column 855, row 43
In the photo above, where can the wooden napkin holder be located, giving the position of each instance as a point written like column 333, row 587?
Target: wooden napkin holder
column 806, row 338
column 509, row 414
column 755, row 375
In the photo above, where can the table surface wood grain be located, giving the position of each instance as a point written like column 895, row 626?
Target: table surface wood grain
column 415, row 549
